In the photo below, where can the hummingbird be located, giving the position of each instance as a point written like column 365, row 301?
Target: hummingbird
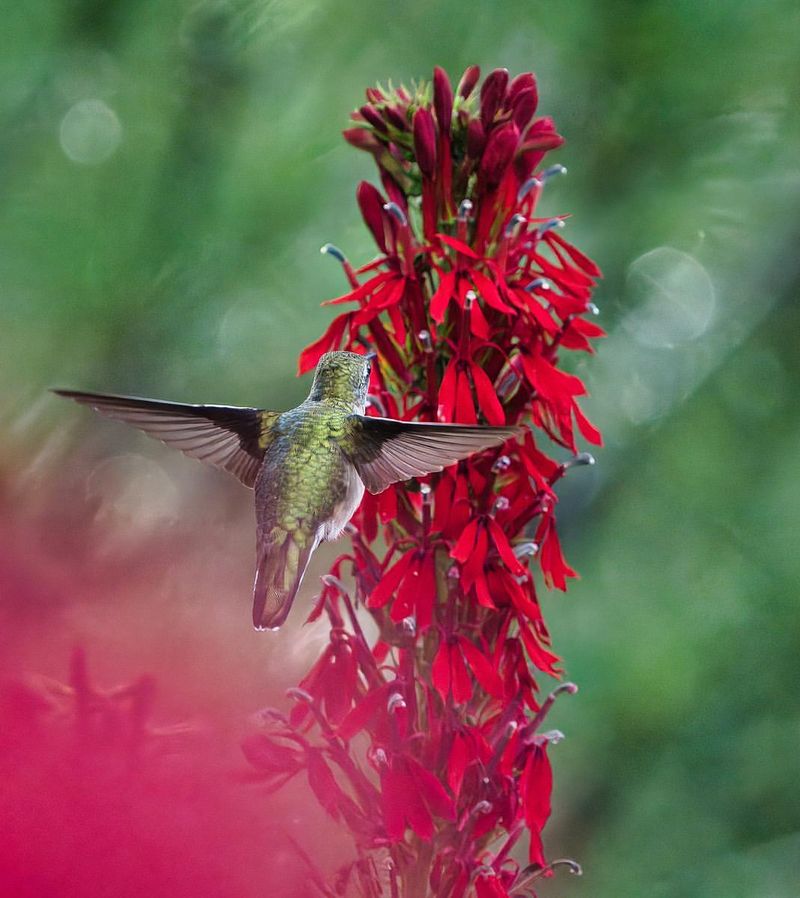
column 308, row 466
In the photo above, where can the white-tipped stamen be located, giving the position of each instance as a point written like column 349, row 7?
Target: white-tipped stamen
column 396, row 212
column 330, row 250
column 538, row 284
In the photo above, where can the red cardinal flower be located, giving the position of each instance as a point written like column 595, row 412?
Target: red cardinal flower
column 420, row 731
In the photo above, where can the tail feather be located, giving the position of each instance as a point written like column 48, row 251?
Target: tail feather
column 279, row 573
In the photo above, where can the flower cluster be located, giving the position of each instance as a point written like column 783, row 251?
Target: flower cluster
column 426, row 742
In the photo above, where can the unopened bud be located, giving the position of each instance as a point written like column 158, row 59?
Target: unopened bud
column 442, row 99
column 396, row 117
column 499, row 152
column 468, row 81
column 523, row 107
column 493, row 92
column 371, row 115
column 425, row 141
column 476, row 139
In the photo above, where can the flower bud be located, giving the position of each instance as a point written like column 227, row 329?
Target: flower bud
column 442, row 99
column 371, row 202
column 425, row 141
column 468, row 81
column 370, row 114
column 476, row 139
column 396, row 116
column 520, row 84
column 498, row 154
column 361, row 138
column 493, row 93
column 523, row 108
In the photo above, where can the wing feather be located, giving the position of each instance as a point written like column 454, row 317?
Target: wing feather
column 229, row 437
column 384, row 450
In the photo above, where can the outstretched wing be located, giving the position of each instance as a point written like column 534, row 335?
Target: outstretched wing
column 384, row 450
column 228, row 437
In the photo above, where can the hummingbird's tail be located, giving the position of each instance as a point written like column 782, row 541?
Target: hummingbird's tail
column 279, row 573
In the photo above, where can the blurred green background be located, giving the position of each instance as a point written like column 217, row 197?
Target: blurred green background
column 168, row 172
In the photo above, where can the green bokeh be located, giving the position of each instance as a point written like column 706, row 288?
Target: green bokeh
column 166, row 243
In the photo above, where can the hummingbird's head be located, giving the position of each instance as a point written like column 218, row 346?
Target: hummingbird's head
column 342, row 377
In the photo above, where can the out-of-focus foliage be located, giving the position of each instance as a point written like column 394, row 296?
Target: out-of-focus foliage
column 168, row 172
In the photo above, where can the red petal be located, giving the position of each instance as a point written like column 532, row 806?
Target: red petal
column 404, row 602
column 393, row 805
column 478, row 323
column 543, row 659
column 465, row 406
column 447, row 392
column 460, row 757
column 485, row 674
column 551, row 383
column 588, row 328
column 504, row 548
column 554, row 567
column 389, row 582
column 431, row 790
column 323, row 784
column 488, row 292
column 473, row 569
column 483, row 594
column 458, row 245
column 462, row 550
column 364, row 712
column 536, row 784
column 460, row 681
column 440, row 669
column 442, row 296
column 576, row 255
column 487, row 398
column 426, row 592
column 590, row 432
column 361, row 291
